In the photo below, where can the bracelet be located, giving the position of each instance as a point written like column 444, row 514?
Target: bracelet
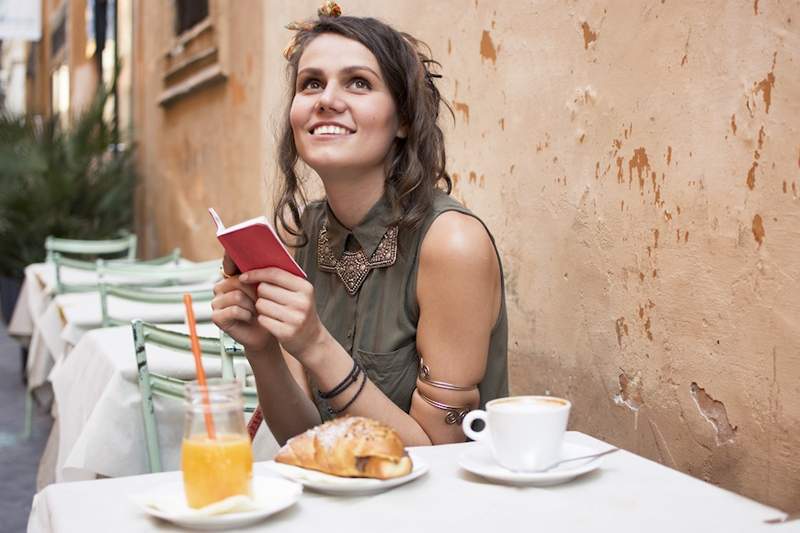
column 333, row 411
column 455, row 414
column 425, row 377
column 346, row 382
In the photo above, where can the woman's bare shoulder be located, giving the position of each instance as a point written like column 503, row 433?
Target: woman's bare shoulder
column 457, row 240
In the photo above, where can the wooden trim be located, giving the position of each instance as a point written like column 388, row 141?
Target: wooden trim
column 208, row 76
column 189, row 62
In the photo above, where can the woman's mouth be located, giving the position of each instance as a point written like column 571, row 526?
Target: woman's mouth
column 330, row 129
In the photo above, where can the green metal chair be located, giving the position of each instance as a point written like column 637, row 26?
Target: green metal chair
column 124, row 245
column 151, row 383
column 146, row 295
column 151, row 284
column 60, row 261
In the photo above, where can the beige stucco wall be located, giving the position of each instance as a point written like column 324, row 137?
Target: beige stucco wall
column 639, row 165
column 203, row 150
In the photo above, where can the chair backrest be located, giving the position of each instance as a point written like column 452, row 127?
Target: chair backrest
column 60, row 261
column 152, row 295
column 126, row 245
column 151, row 383
column 137, row 273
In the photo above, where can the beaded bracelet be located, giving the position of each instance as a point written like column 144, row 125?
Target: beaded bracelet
column 346, row 382
column 333, row 411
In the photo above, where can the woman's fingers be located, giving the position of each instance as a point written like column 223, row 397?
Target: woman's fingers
column 276, row 311
column 224, row 318
column 276, row 294
column 233, row 284
column 234, row 298
column 276, row 328
column 276, row 276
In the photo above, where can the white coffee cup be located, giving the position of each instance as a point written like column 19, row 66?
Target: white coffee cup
column 524, row 432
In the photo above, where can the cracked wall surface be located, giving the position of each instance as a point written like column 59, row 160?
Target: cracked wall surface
column 639, row 166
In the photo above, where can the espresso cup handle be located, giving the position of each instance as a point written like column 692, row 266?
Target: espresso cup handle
column 466, row 425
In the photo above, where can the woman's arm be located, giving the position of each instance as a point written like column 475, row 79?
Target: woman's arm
column 459, row 294
column 282, row 388
column 283, row 393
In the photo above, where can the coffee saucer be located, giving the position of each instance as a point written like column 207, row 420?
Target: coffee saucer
column 479, row 461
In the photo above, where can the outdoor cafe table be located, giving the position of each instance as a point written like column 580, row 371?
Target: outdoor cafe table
column 53, row 324
column 98, row 406
column 627, row 494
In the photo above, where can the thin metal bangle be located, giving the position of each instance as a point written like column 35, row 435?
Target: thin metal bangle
column 425, row 377
column 455, row 414
column 351, row 378
column 333, row 411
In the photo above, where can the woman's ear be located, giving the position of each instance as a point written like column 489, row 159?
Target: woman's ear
column 402, row 132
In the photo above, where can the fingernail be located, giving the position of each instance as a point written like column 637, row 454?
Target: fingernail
column 243, row 277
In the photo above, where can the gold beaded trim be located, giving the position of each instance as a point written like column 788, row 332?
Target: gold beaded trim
column 353, row 267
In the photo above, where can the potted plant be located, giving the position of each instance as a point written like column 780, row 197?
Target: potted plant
column 70, row 182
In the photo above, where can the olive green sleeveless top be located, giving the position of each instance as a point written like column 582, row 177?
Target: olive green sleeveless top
column 366, row 296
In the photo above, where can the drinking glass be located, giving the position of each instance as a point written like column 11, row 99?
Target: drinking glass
column 216, row 458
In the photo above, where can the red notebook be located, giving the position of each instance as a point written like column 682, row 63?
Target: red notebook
column 254, row 244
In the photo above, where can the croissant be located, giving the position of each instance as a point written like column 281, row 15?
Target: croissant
column 351, row 446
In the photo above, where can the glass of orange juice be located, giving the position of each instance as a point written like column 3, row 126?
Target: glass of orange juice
column 216, row 457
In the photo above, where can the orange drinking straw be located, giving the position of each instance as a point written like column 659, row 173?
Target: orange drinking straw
column 198, row 363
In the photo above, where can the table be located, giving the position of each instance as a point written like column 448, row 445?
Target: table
column 628, row 494
column 53, row 324
column 98, row 406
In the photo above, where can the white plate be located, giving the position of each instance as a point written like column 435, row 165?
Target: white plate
column 479, row 461
column 345, row 486
column 270, row 495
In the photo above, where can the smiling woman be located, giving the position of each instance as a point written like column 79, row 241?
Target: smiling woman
column 398, row 272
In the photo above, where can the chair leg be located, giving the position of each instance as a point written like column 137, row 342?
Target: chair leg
column 24, row 366
column 148, row 409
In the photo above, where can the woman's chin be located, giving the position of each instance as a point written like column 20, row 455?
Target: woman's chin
column 333, row 165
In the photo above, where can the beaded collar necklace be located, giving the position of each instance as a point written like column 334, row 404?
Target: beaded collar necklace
column 353, row 267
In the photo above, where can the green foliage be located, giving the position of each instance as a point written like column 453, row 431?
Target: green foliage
column 62, row 182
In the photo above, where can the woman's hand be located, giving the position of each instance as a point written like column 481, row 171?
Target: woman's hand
column 234, row 312
column 286, row 308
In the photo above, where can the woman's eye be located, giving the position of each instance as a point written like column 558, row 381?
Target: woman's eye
column 360, row 83
column 311, row 84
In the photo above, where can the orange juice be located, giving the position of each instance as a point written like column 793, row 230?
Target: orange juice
column 216, row 469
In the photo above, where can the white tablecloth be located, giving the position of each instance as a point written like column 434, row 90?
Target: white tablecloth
column 628, row 494
column 54, row 324
column 98, row 406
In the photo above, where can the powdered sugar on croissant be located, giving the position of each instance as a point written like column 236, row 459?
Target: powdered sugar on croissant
column 351, row 446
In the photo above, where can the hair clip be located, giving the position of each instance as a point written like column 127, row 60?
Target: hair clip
column 329, row 9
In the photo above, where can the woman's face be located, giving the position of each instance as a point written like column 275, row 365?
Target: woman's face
column 343, row 115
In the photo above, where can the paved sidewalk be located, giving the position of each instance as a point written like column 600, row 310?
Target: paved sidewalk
column 19, row 459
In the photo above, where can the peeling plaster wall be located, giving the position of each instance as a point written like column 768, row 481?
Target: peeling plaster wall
column 639, row 165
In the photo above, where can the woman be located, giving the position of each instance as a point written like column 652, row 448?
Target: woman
column 402, row 317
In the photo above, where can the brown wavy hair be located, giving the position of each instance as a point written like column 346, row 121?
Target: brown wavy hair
column 417, row 163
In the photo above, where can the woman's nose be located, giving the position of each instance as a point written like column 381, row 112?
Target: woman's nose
column 329, row 99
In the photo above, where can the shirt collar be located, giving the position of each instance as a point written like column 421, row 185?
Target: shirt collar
column 368, row 233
